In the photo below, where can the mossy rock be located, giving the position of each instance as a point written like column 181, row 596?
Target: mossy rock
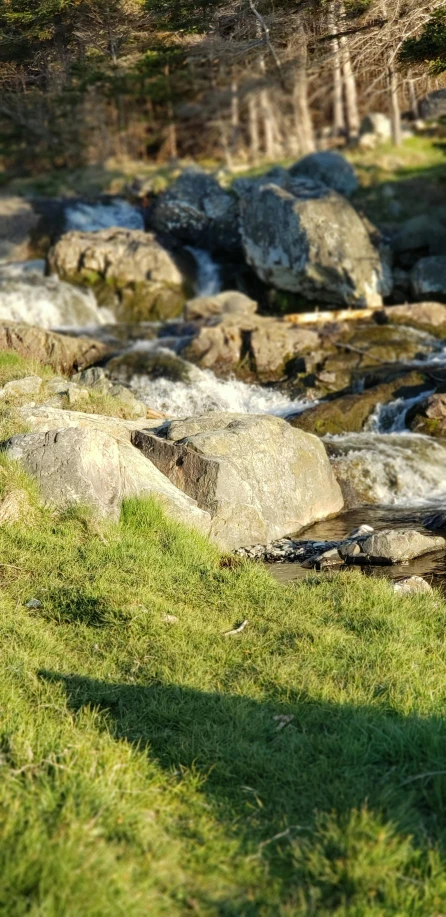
column 134, row 302
column 350, row 413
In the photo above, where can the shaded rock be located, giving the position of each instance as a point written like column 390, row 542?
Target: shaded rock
column 18, row 221
column 350, row 413
column 88, row 467
column 199, row 212
column 63, row 353
column 328, row 167
column 435, row 521
column 428, row 277
column 129, row 270
column 421, row 236
column 231, row 302
column 413, row 585
column 257, row 477
column 312, row 242
column 397, row 546
column 154, row 364
column 433, row 105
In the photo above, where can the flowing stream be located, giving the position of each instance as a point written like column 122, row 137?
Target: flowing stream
column 397, row 473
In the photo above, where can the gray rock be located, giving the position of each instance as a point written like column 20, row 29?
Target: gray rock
column 61, row 352
column 18, row 221
column 413, row 585
column 227, row 303
column 257, row 476
column 378, row 124
column 348, row 550
column 43, row 418
column 30, row 385
column 428, row 277
column 199, row 212
column 330, row 168
column 396, row 546
column 433, row 106
column 89, row 467
column 311, row 241
column 130, row 269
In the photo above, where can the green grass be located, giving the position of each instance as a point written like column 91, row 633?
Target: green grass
column 142, row 767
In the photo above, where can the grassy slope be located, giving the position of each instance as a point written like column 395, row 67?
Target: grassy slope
column 142, row 767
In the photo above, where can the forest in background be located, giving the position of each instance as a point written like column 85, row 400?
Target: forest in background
column 82, row 81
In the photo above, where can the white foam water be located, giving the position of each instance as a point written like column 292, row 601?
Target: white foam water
column 49, row 303
column 87, row 217
column 204, row 392
column 399, row 469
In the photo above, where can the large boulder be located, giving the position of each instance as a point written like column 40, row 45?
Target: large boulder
column 18, row 221
column 90, row 467
column 129, row 270
column 48, row 303
column 433, row 106
column 309, row 240
column 43, row 418
column 328, row 167
column 257, row 477
column 199, row 212
column 62, row 352
column 428, row 278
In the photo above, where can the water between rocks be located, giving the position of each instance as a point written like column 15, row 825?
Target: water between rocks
column 405, row 473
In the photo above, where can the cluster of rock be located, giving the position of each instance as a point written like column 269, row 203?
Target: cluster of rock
column 238, row 478
column 363, row 547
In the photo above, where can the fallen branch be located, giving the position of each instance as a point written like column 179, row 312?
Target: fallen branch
column 237, row 630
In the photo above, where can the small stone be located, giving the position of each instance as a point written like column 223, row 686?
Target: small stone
column 170, row 619
column 362, row 530
column 413, row 585
column 75, row 394
column 31, row 385
column 33, row 603
column 351, row 549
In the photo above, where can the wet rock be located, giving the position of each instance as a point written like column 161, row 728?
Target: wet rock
column 435, row 521
column 258, row 478
column 62, row 352
column 397, row 546
column 18, row 221
column 129, row 270
column 312, row 242
column 428, row 278
column 413, row 585
column 199, row 212
column 427, row 316
column 328, row 167
column 154, row 364
column 231, row 302
column 89, row 467
column 251, row 346
column 429, row 417
column 350, row 413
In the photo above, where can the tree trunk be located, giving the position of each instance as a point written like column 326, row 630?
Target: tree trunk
column 235, row 117
column 413, row 97
column 304, row 124
column 395, row 113
column 338, row 107
column 253, row 125
column 351, row 96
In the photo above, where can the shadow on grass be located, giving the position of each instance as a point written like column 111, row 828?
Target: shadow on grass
column 265, row 778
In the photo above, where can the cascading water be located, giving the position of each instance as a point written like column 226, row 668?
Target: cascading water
column 208, row 280
column 48, row 302
column 92, row 217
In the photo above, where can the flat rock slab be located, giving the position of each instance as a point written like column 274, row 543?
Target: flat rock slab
column 257, row 477
column 89, row 467
column 397, row 546
column 62, row 352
